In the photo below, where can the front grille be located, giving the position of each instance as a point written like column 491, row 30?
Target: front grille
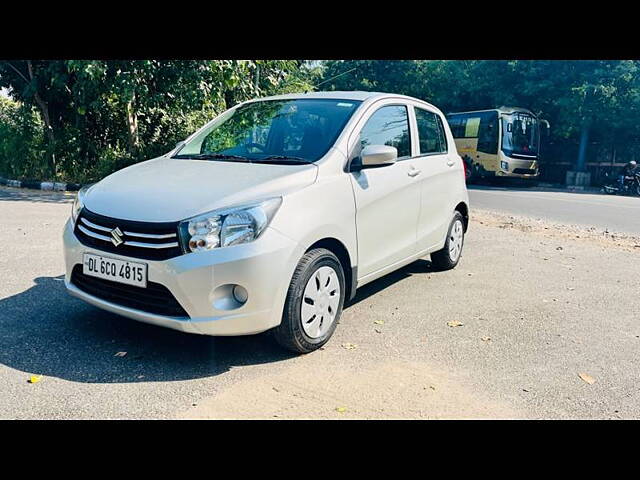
column 156, row 298
column 146, row 240
column 524, row 171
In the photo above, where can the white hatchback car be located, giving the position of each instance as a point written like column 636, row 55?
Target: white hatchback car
column 271, row 215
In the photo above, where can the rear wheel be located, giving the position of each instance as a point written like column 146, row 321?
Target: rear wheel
column 314, row 302
column 449, row 256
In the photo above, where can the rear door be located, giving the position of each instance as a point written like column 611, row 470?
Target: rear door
column 388, row 197
column 441, row 172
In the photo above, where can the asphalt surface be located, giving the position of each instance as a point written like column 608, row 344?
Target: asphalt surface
column 536, row 310
column 612, row 212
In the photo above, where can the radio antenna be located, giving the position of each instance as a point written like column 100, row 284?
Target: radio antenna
column 334, row 77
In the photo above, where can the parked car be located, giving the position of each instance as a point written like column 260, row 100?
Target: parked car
column 271, row 216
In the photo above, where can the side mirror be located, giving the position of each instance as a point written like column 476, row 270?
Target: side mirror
column 378, row 155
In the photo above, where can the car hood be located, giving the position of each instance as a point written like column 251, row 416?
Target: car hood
column 166, row 190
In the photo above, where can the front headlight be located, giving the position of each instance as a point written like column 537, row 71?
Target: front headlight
column 227, row 227
column 78, row 203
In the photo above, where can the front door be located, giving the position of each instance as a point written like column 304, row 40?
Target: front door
column 387, row 198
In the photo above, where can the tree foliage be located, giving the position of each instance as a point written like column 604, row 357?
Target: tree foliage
column 82, row 119
column 99, row 116
column 570, row 94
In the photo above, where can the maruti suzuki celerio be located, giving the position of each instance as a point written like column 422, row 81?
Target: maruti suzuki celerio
column 271, row 216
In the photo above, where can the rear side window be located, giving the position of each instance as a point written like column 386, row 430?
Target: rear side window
column 430, row 132
column 388, row 126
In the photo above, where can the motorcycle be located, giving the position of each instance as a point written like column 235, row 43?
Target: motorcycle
column 630, row 185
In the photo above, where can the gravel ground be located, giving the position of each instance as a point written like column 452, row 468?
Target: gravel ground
column 538, row 304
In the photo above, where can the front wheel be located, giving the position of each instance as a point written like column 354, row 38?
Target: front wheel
column 313, row 304
column 449, row 256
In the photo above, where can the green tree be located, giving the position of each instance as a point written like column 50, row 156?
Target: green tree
column 597, row 99
column 99, row 116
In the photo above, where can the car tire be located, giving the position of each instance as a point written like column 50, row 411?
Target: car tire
column 449, row 256
column 303, row 328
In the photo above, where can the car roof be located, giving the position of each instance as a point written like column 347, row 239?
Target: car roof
column 339, row 95
column 502, row 109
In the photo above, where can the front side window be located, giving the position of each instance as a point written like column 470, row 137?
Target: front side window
column 299, row 129
column 388, row 126
column 430, row 132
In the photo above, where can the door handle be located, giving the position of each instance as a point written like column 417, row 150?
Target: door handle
column 450, row 163
column 413, row 173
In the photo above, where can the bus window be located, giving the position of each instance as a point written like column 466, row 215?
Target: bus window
column 454, row 125
column 488, row 133
column 471, row 128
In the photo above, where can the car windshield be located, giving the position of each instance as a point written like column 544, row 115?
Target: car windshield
column 273, row 131
column 520, row 135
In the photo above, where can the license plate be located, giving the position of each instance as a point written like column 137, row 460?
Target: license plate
column 122, row 271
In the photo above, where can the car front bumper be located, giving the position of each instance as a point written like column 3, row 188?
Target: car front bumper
column 263, row 267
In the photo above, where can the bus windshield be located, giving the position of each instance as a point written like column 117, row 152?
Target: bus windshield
column 520, row 135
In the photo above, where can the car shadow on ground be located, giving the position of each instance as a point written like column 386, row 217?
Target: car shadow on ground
column 420, row 266
column 45, row 331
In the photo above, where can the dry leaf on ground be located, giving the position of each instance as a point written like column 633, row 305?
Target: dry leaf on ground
column 35, row 378
column 120, row 354
column 587, row 378
column 455, row 323
column 349, row 346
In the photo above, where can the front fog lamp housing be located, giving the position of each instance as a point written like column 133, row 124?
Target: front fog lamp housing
column 504, row 166
column 227, row 227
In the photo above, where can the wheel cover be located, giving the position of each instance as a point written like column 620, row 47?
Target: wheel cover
column 320, row 302
column 455, row 240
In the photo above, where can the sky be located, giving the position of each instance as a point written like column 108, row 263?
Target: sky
column 4, row 92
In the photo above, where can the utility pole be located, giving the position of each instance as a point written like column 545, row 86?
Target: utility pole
column 581, row 165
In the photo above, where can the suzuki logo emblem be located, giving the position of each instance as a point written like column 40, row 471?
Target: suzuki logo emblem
column 116, row 236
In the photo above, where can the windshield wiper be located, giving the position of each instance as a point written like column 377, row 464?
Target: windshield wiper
column 282, row 159
column 213, row 156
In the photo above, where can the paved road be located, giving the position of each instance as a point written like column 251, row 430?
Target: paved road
column 532, row 318
column 616, row 213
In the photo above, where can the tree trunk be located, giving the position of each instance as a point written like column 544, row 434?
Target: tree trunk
column 132, row 124
column 44, row 109
column 229, row 98
column 257, row 78
column 581, row 165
